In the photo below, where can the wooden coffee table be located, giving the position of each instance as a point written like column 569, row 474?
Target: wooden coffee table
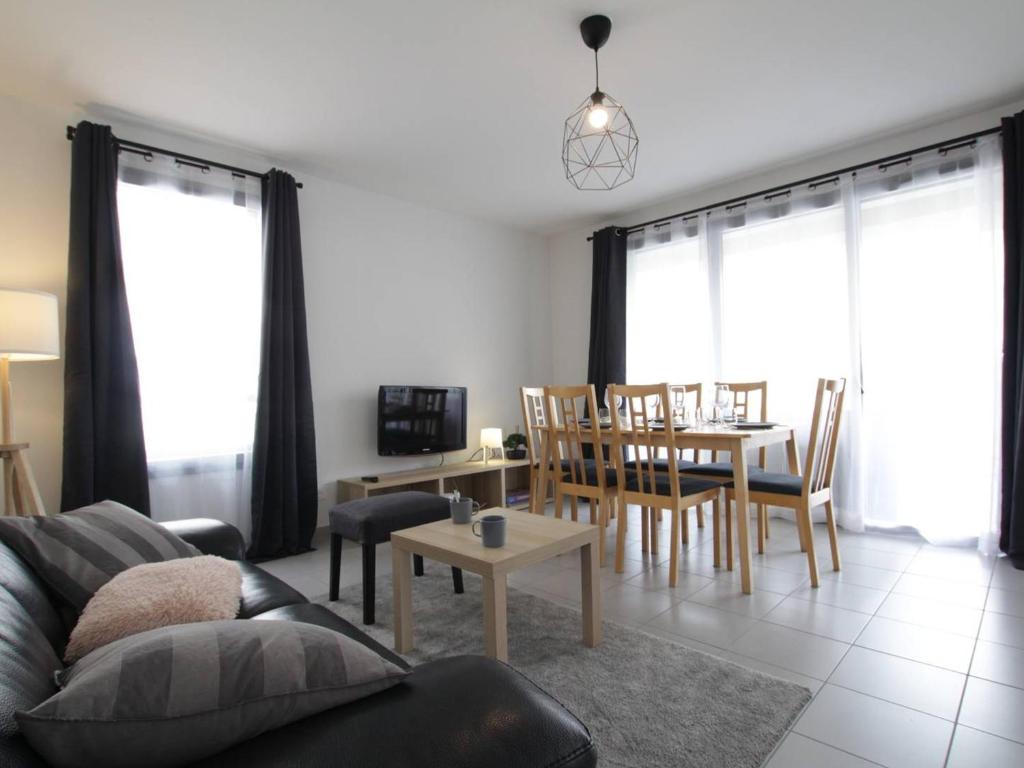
column 530, row 539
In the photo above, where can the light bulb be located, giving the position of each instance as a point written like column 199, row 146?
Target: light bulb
column 597, row 117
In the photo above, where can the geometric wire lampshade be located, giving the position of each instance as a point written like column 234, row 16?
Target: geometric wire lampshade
column 599, row 158
column 599, row 142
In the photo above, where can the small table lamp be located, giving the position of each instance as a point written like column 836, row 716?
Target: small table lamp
column 28, row 331
column 490, row 437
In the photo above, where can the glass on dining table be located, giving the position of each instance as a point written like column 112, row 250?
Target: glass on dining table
column 723, row 401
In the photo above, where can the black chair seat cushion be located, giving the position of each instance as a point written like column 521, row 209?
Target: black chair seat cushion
column 589, row 469
column 372, row 520
column 262, row 592
column 687, row 485
column 720, row 469
column 775, row 482
column 661, row 465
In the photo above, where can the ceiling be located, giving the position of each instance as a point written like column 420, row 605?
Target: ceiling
column 459, row 104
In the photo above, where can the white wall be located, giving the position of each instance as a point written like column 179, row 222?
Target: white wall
column 34, row 171
column 396, row 293
column 570, row 254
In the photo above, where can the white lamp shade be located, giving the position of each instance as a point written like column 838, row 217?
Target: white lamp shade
column 490, row 437
column 28, row 325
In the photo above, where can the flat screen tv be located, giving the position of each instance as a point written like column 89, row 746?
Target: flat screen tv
column 413, row 420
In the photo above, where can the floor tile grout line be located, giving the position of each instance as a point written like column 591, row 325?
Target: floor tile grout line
column 967, row 677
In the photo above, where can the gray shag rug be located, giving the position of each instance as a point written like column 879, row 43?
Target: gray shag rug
column 646, row 700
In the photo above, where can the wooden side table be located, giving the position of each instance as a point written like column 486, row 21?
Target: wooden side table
column 530, row 539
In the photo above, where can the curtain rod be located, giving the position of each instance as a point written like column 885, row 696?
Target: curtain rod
column 194, row 162
column 812, row 181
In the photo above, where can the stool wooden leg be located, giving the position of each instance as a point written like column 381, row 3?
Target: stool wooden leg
column 335, row 564
column 369, row 575
column 417, row 565
column 457, row 580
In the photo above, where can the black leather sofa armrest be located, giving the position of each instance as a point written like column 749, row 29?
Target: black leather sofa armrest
column 211, row 537
column 459, row 712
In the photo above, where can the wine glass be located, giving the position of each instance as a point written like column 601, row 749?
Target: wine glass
column 619, row 400
column 679, row 405
column 723, row 398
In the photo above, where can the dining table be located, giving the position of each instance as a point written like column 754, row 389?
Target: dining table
column 734, row 438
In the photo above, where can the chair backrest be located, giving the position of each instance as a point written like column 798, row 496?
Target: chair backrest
column 820, row 464
column 535, row 419
column 742, row 391
column 742, row 406
column 568, row 438
column 636, row 432
column 691, row 396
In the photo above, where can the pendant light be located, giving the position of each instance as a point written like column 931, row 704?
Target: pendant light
column 599, row 144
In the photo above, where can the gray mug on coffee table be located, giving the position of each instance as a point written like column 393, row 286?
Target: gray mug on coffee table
column 463, row 510
column 492, row 530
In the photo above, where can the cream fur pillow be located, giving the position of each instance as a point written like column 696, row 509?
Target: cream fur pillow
column 154, row 595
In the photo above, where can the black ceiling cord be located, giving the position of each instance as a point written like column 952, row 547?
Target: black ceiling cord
column 147, row 152
column 942, row 147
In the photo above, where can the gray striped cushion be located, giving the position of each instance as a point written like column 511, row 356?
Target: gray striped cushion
column 78, row 552
column 173, row 695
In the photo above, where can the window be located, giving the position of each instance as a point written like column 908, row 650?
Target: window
column 191, row 247
column 891, row 278
column 650, row 313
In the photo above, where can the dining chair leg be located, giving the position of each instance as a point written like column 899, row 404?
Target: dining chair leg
column 812, row 562
column 572, row 506
column 600, row 510
column 645, row 530
column 700, row 515
column 657, row 511
column 760, row 530
column 654, row 531
column 686, row 526
column 673, row 561
column 716, row 532
column 620, row 537
column 728, row 534
column 800, row 531
column 764, row 511
column 833, row 534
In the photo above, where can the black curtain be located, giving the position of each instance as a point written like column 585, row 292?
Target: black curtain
column 607, row 360
column 284, row 485
column 1011, row 537
column 104, row 449
column 606, row 363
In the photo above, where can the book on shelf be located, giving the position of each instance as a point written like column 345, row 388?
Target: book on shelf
column 513, row 498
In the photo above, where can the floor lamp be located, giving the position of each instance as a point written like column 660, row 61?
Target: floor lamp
column 28, row 331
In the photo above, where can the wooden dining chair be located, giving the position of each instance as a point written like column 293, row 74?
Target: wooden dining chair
column 814, row 488
column 581, row 473
column 535, row 418
column 641, row 482
column 717, row 468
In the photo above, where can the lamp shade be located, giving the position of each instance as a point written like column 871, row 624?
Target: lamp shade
column 490, row 437
column 28, row 325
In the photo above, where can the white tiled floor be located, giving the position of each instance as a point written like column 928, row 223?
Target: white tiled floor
column 914, row 653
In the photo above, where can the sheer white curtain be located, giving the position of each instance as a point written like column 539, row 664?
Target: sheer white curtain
column 191, row 243
column 930, row 324
column 890, row 278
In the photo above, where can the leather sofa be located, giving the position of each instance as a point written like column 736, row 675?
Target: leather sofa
column 457, row 712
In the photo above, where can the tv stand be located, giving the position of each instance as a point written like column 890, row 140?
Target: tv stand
column 489, row 483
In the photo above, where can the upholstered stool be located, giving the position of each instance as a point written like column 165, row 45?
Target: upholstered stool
column 370, row 522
